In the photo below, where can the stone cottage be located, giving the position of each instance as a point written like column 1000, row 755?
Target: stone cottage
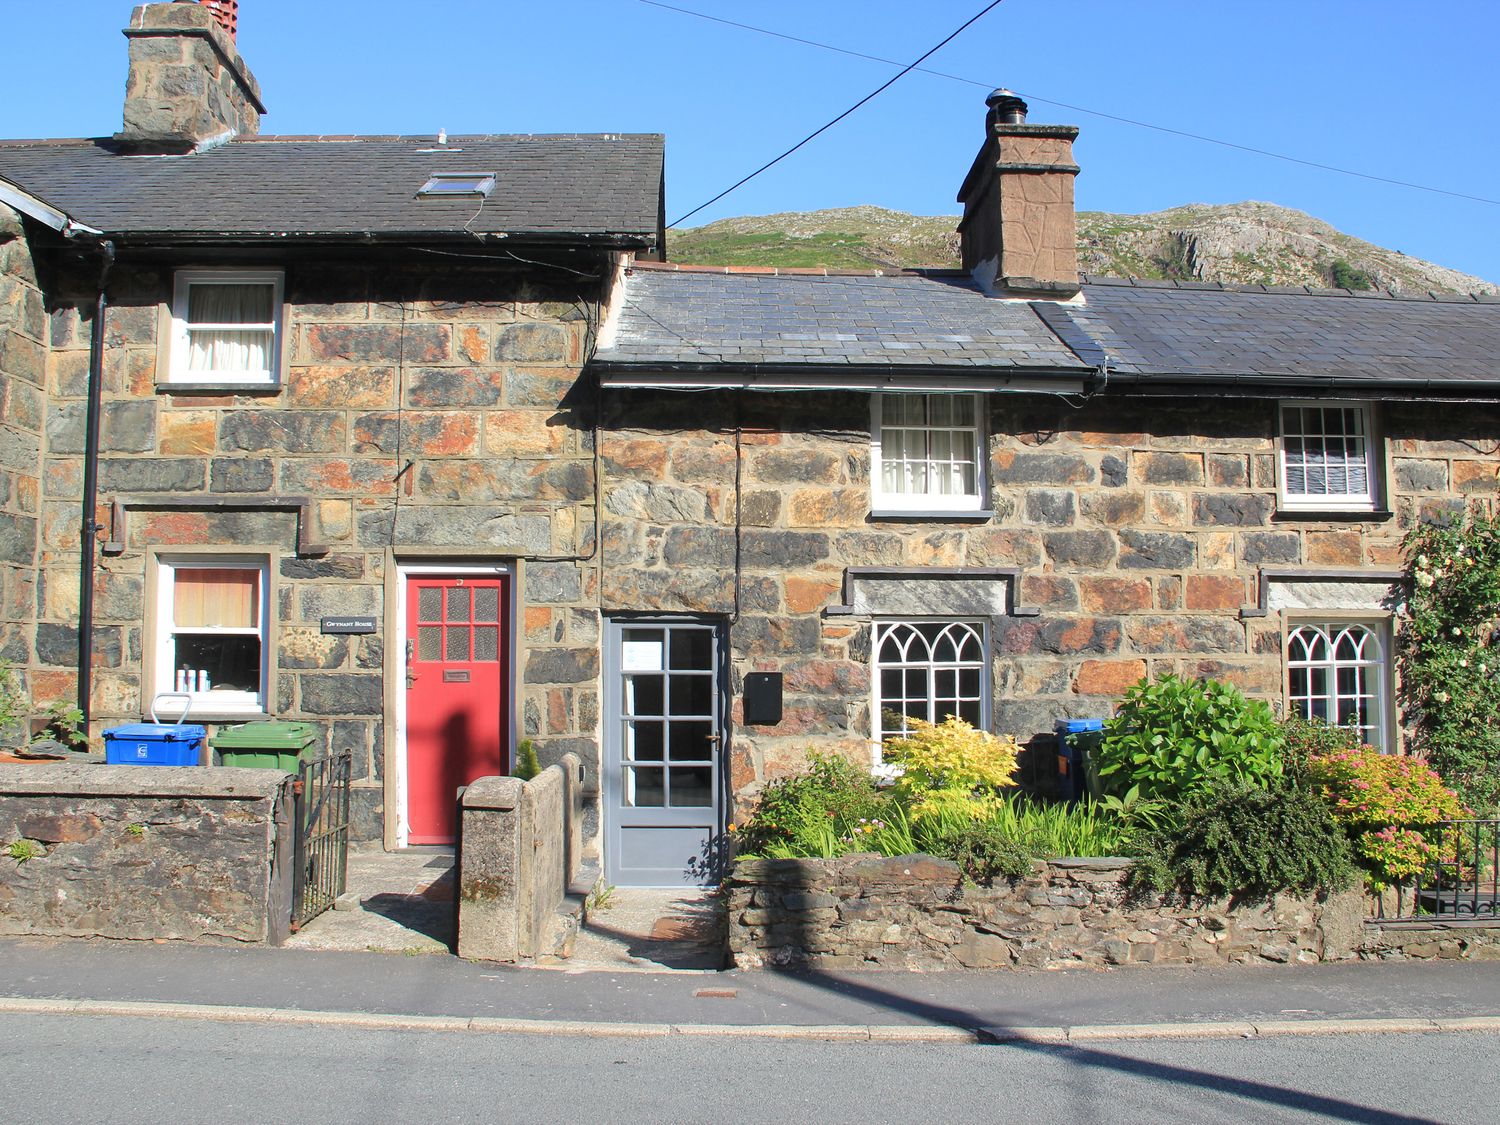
column 295, row 425
column 1008, row 493
column 409, row 438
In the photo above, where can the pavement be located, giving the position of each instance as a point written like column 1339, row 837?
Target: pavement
column 646, row 964
column 403, row 902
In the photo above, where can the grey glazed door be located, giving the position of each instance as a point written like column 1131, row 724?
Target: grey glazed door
column 662, row 753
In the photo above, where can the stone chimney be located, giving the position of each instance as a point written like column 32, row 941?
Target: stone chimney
column 187, row 82
column 1018, row 231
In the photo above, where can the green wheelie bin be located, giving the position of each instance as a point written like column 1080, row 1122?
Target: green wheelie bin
column 265, row 744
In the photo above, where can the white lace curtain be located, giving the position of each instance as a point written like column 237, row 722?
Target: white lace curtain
column 231, row 327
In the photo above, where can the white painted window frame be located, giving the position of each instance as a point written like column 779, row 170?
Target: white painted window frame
column 1367, row 501
column 183, row 281
column 927, row 502
column 214, row 702
column 1377, row 674
column 881, row 627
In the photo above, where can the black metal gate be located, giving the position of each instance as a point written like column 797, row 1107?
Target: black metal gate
column 320, row 864
column 1459, row 881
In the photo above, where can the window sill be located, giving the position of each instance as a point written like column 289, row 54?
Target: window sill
column 973, row 515
column 219, row 716
column 1332, row 515
column 186, row 388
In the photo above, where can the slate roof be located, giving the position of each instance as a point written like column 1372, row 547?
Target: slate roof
column 1152, row 333
column 546, row 186
column 1272, row 336
column 699, row 319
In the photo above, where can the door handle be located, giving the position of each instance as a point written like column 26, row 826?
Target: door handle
column 411, row 652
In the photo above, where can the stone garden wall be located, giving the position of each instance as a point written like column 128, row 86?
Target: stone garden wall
column 912, row 912
column 145, row 852
column 519, row 854
column 1138, row 528
column 1428, row 941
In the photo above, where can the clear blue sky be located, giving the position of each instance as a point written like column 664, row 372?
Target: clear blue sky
column 1400, row 90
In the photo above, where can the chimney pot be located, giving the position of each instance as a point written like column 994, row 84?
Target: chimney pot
column 1006, row 107
column 227, row 12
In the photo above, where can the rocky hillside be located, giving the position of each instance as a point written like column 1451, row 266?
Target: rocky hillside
column 1235, row 243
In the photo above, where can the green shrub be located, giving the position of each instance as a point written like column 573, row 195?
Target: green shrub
column 951, row 765
column 1388, row 805
column 984, row 849
column 1251, row 842
column 1346, row 276
column 1310, row 738
column 807, row 814
column 64, row 723
column 527, row 765
column 1135, row 817
column 1173, row 737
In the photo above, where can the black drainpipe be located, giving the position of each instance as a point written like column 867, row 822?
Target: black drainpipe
column 90, row 527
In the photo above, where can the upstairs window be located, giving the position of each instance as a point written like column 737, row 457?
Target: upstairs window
column 226, row 327
column 1328, row 457
column 211, row 638
column 928, row 453
column 1337, row 672
column 928, row 670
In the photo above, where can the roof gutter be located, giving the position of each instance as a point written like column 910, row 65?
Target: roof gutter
column 1256, row 385
column 783, row 377
column 603, row 240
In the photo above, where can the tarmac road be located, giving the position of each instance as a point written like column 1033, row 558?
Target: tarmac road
column 68, row 1068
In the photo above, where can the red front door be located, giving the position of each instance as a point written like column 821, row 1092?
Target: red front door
column 457, row 694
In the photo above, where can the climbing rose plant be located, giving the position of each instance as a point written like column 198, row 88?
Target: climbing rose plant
column 1449, row 655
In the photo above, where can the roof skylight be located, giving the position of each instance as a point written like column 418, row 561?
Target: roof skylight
column 459, row 183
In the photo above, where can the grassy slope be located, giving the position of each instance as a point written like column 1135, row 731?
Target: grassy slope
column 1233, row 243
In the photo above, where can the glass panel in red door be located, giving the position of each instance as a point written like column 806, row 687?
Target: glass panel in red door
column 457, row 695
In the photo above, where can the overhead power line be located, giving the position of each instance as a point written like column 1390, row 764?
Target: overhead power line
column 823, row 129
column 1075, row 109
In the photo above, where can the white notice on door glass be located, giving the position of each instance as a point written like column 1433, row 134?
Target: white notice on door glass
column 641, row 656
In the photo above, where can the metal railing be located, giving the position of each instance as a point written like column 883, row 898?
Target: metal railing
column 1460, row 880
column 320, row 864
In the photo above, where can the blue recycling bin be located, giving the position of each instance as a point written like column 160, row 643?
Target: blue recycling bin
column 1077, row 757
column 154, row 744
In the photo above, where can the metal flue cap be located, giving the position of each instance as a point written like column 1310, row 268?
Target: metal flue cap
column 1006, row 107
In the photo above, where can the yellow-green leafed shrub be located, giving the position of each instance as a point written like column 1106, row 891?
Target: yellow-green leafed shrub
column 1390, row 806
column 951, row 765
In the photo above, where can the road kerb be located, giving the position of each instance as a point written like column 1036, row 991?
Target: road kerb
column 1103, row 1032
column 841, row 1033
column 884, row 1033
column 1404, row 1025
column 598, row 1029
column 1002, row 1034
column 1467, row 1023
column 908, row 1033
